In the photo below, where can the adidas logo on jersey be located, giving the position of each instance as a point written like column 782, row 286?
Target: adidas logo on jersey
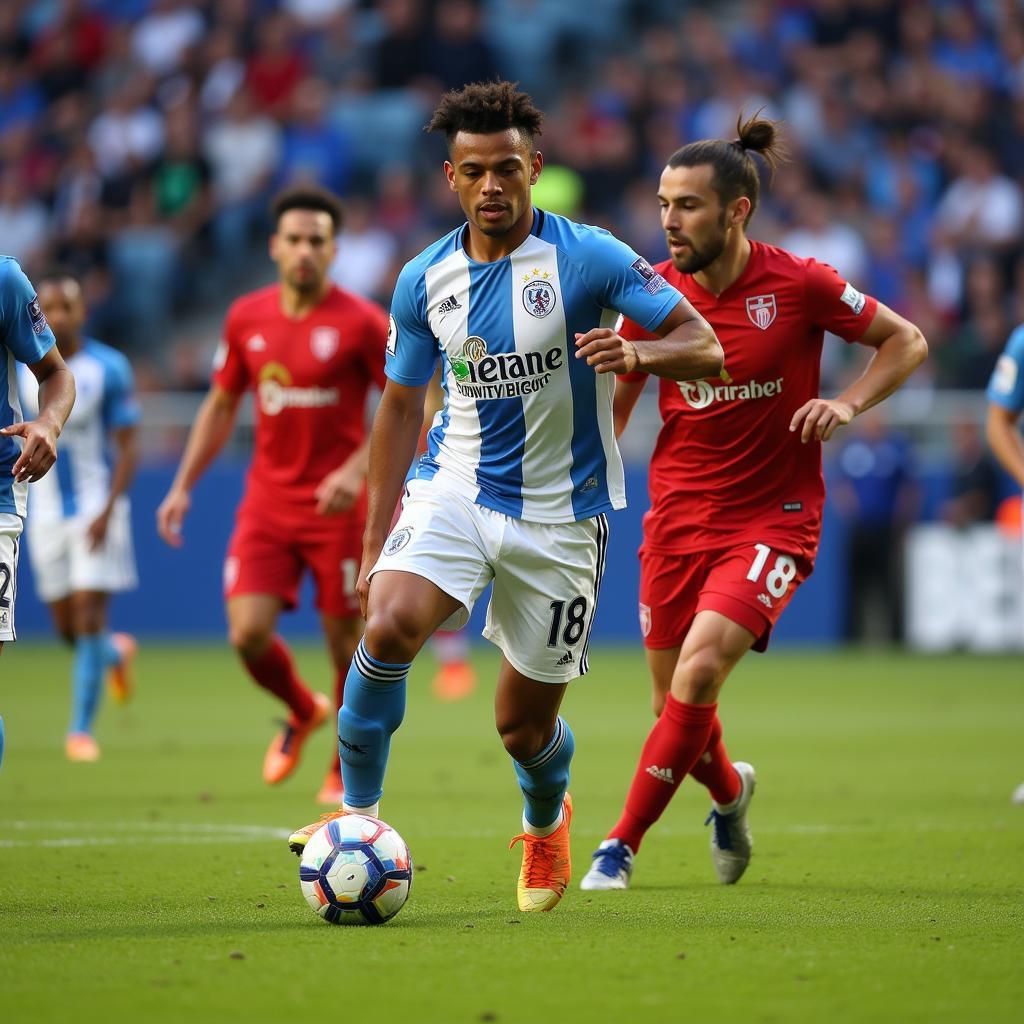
column 662, row 774
column 699, row 394
column 565, row 659
column 765, row 600
column 448, row 306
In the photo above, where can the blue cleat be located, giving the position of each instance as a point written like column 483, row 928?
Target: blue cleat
column 612, row 867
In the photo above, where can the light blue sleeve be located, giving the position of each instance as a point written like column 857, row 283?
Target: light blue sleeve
column 120, row 408
column 617, row 278
column 25, row 331
column 412, row 350
column 1006, row 387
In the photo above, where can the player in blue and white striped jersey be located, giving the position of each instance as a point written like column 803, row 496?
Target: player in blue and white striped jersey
column 519, row 307
column 1005, row 408
column 79, row 530
column 27, row 448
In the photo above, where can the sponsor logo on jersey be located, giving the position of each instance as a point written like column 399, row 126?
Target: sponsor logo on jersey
column 276, row 394
column 653, row 281
column 853, row 298
column 35, row 315
column 398, row 540
column 761, row 310
column 324, row 342
column 1004, row 379
column 645, row 620
column 392, row 343
column 699, row 394
column 448, row 306
column 481, row 376
column 538, row 294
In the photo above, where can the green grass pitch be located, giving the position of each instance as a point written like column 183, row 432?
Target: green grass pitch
column 886, row 883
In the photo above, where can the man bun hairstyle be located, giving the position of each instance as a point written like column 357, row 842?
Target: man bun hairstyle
column 735, row 170
column 483, row 108
column 307, row 197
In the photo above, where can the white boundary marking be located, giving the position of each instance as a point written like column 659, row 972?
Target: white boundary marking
column 134, row 833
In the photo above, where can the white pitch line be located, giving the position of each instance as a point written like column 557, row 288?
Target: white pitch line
column 170, row 827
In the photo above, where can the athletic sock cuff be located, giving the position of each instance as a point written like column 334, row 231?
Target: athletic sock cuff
column 689, row 714
column 379, row 672
column 551, row 750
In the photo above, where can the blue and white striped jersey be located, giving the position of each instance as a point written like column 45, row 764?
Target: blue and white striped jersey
column 526, row 428
column 24, row 338
column 79, row 484
column 1006, row 388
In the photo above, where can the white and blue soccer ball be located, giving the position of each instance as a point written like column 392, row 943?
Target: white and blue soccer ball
column 356, row 870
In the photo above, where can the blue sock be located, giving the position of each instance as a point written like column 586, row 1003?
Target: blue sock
column 373, row 709
column 111, row 655
column 87, row 677
column 545, row 778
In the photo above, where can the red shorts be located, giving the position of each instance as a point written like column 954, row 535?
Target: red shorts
column 750, row 584
column 269, row 552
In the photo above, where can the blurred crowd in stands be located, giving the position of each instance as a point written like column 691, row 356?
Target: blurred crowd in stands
column 141, row 139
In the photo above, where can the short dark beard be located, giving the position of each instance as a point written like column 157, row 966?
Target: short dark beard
column 699, row 259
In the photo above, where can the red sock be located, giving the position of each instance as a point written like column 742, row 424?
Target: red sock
column 678, row 738
column 714, row 769
column 339, row 696
column 275, row 671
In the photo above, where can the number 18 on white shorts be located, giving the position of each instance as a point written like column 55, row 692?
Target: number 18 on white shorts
column 547, row 576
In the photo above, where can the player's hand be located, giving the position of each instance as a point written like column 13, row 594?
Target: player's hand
column 96, row 531
column 338, row 491
column 370, row 556
column 821, row 418
column 606, row 351
column 38, row 453
column 170, row 516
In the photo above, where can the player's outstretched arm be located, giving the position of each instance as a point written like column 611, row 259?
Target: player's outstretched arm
column 210, row 431
column 393, row 437
column 686, row 348
column 56, row 398
column 900, row 349
column 1005, row 440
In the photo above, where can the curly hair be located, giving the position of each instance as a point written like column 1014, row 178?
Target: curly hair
column 308, row 197
column 483, row 108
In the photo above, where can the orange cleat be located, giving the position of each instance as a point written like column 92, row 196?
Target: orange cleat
column 546, row 865
column 332, row 792
column 282, row 756
column 121, row 677
column 80, row 746
column 454, row 681
column 298, row 839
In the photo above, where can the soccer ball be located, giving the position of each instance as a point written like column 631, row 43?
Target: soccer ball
column 356, row 870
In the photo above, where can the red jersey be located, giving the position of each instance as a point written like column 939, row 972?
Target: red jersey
column 726, row 467
column 310, row 377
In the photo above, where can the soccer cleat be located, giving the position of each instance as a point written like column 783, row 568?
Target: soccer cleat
column 612, row 867
column 546, row 865
column 282, row 757
column 1018, row 795
column 731, row 841
column 298, row 839
column 80, row 746
column 332, row 792
column 454, row 681
column 121, row 676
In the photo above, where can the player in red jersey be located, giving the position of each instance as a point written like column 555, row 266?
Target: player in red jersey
column 735, row 479
column 310, row 352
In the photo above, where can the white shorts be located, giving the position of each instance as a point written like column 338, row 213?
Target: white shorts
column 546, row 576
column 63, row 563
column 10, row 532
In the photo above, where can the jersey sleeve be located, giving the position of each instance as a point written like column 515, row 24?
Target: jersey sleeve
column 411, row 352
column 632, row 331
column 120, row 408
column 1006, row 388
column 25, row 331
column 229, row 369
column 835, row 304
column 617, row 278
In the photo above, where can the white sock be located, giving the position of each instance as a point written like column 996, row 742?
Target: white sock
column 373, row 811
column 542, row 831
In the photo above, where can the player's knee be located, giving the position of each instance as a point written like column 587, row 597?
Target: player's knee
column 703, row 672
column 393, row 634
column 249, row 639
column 522, row 740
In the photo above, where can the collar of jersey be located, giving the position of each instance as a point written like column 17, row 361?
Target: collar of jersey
column 538, row 223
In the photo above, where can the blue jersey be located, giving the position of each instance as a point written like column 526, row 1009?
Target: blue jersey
column 1006, row 388
column 24, row 338
column 79, row 484
column 526, row 428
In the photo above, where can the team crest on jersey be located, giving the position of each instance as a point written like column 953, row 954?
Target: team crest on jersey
column 392, row 342
column 761, row 310
column 645, row 620
column 398, row 540
column 324, row 342
column 538, row 298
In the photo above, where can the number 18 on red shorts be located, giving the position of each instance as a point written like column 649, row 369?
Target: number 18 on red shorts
column 750, row 584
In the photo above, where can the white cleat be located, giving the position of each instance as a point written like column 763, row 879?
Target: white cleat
column 1018, row 795
column 731, row 841
column 612, row 867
